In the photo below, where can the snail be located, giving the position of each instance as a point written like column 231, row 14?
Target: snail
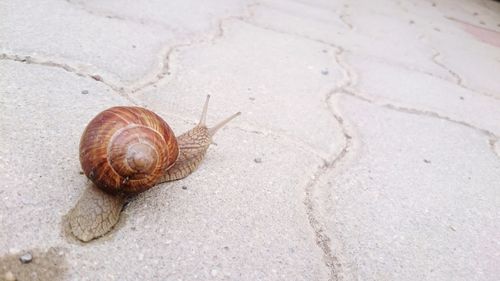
column 127, row 150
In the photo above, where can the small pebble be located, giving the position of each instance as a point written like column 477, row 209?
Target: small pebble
column 251, row 98
column 412, row 22
column 324, row 71
column 96, row 77
column 462, row 98
column 26, row 258
column 325, row 51
column 133, row 46
column 427, row 161
column 85, row 92
column 184, row 187
column 257, row 160
column 9, row 276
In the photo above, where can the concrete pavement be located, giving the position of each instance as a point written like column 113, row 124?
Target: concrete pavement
column 368, row 148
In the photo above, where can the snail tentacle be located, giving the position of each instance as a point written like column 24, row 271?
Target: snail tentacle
column 222, row 123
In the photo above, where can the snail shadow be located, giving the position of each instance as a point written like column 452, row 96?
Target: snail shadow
column 45, row 265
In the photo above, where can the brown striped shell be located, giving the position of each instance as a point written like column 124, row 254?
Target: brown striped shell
column 127, row 149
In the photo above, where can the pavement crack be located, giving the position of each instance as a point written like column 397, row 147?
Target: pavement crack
column 343, row 17
column 411, row 68
column 112, row 16
column 150, row 79
column 438, row 116
column 458, row 80
column 435, row 59
column 302, row 36
column 161, row 73
column 68, row 68
column 322, row 239
column 49, row 63
column 492, row 137
column 349, row 79
column 249, row 13
column 445, row 78
column 495, row 145
column 346, row 87
column 275, row 135
column 166, row 59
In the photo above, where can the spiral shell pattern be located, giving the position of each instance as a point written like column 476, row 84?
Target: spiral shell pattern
column 127, row 149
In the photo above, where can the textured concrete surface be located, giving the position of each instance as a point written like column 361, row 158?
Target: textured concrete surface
column 368, row 148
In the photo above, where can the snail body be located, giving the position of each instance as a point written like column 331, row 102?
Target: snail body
column 125, row 151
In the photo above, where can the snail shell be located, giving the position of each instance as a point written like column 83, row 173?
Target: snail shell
column 127, row 149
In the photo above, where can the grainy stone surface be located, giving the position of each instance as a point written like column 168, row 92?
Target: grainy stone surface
column 368, row 147
column 49, row 264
